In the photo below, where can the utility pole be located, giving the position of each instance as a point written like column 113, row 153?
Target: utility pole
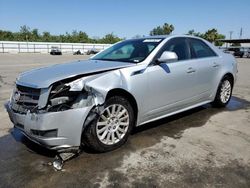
column 231, row 33
column 241, row 32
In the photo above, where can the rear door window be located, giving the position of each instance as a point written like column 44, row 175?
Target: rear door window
column 200, row 49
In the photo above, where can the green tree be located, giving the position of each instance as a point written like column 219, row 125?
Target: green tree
column 217, row 42
column 25, row 33
column 83, row 37
column 74, row 36
column 6, row 35
column 211, row 35
column 110, row 39
column 193, row 33
column 35, row 35
column 61, row 38
column 46, row 36
column 166, row 29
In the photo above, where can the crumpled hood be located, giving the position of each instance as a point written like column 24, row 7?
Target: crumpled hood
column 44, row 77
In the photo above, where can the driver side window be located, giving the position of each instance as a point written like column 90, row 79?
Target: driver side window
column 179, row 46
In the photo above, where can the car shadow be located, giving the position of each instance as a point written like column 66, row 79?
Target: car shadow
column 174, row 126
column 31, row 146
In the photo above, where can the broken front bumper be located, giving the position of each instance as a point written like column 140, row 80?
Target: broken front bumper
column 53, row 130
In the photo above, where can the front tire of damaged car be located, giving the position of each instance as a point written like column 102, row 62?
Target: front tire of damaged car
column 112, row 126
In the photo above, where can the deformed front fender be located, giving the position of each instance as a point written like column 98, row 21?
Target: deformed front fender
column 100, row 86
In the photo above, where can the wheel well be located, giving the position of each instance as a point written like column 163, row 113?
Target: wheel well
column 230, row 75
column 128, row 96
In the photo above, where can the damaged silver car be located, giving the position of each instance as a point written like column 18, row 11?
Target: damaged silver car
column 97, row 102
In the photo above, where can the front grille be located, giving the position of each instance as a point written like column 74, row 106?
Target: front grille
column 25, row 98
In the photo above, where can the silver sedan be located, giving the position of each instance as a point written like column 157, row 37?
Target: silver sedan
column 96, row 103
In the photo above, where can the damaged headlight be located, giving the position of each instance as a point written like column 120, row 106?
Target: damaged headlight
column 60, row 97
column 67, row 96
column 59, row 100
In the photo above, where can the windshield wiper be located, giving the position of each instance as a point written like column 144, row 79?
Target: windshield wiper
column 106, row 59
column 119, row 60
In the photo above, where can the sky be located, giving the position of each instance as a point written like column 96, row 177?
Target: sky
column 126, row 18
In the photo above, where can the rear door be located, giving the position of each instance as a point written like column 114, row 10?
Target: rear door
column 205, row 62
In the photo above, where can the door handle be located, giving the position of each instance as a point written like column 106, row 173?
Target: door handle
column 215, row 65
column 190, row 70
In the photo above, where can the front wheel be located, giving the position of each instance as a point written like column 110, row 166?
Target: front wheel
column 112, row 127
column 224, row 92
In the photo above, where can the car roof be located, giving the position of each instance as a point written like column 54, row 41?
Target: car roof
column 168, row 36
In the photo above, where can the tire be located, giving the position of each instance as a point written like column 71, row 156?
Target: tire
column 224, row 92
column 113, row 130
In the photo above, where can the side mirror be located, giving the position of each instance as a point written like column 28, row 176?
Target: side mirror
column 167, row 57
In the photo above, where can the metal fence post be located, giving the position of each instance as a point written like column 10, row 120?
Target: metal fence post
column 3, row 47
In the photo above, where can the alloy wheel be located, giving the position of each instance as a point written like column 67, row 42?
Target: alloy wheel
column 112, row 124
column 225, row 92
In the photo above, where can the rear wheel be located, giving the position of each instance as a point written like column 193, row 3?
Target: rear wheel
column 112, row 127
column 224, row 92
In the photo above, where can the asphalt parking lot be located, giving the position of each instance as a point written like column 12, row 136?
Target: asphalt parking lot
column 203, row 147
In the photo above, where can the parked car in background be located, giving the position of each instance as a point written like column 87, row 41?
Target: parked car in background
column 248, row 53
column 236, row 51
column 92, row 51
column 78, row 52
column 55, row 51
column 97, row 102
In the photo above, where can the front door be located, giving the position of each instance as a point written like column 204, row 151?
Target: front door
column 170, row 85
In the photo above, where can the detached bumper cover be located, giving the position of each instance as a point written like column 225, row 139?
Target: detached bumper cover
column 68, row 124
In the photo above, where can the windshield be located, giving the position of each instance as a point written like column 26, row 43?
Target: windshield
column 132, row 51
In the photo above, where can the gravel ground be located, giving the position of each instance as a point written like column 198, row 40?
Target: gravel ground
column 203, row 147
